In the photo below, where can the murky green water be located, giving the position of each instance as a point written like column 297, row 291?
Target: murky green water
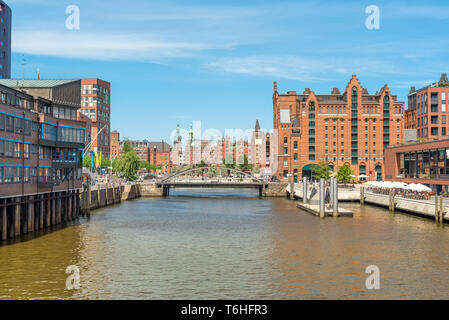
column 230, row 245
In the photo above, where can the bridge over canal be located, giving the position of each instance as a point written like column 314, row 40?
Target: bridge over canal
column 239, row 180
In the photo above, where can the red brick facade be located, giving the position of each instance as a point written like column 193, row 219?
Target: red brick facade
column 96, row 104
column 428, row 111
column 352, row 128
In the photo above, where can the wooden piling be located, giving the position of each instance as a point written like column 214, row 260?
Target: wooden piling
column 17, row 209
column 4, row 220
column 30, row 212
column 53, row 210
column 362, row 195
column 41, row 214
column 436, row 209
column 70, row 206
column 441, row 210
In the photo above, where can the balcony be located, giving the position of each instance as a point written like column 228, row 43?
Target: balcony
column 47, row 182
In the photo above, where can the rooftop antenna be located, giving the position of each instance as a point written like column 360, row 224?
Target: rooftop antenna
column 23, row 70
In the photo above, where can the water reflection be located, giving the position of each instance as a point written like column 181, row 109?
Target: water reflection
column 225, row 244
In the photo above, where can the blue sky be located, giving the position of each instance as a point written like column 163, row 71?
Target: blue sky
column 175, row 62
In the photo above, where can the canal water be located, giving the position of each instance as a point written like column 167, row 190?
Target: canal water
column 224, row 244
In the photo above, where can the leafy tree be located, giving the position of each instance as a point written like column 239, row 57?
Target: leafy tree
column 321, row 170
column 229, row 161
column 148, row 166
column 87, row 161
column 202, row 164
column 129, row 164
column 126, row 147
column 243, row 163
column 344, row 173
column 105, row 163
column 212, row 173
column 256, row 170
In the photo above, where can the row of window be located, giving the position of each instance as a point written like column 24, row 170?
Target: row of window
column 15, row 174
column 15, row 124
column 55, row 133
column 13, row 149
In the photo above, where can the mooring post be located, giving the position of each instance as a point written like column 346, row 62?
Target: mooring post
column 436, row 209
column 304, row 190
column 292, row 191
column 331, row 189
column 322, row 195
column 4, row 220
column 441, row 210
column 106, row 190
column 335, row 197
column 362, row 195
column 89, row 199
column 392, row 206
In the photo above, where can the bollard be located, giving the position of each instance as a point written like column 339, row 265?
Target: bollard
column 335, row 197
column 322, row 195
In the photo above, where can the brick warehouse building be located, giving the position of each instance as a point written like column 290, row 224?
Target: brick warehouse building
column 428, row 111
column 353, row 127
column 40, row 150
column 426, row 163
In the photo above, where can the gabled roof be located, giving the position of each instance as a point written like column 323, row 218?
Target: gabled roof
column 160, row 146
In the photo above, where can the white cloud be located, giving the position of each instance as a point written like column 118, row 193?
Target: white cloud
column 79, row 45
column 299, row 68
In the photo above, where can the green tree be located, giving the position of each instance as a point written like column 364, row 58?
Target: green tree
column 344, row 173
column 148, row 166
column 229, row 161
column 321, row 170
column 256, row 170
column 105, row 163
column 243, row 164
column 202, row 164
column 212, row 173
column 87, row 161
column 126, row 147
column 128, row 165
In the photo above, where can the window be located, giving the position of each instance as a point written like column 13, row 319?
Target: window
column 434, row 131
column 295, row 145
column 2, row 121
column 9, row 123
column 295, row 157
